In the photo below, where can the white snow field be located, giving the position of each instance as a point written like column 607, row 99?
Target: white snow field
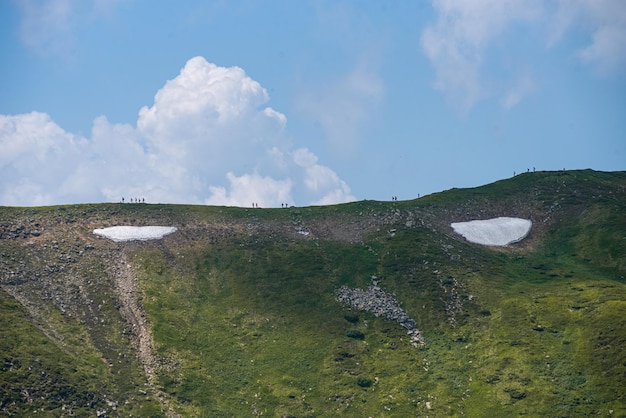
column 135, row 233
column 494, row 232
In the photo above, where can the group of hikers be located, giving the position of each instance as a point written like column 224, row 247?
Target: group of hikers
column 528, row 171
column 282, row 205
column 135, row 200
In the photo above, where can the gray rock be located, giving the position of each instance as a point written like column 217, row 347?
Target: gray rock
column 376, row 301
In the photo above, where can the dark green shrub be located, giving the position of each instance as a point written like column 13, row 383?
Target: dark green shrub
column 364, row 382
column 352, row 318
column 356, row 334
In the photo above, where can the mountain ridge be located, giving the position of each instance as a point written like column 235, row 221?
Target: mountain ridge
column 129, row 318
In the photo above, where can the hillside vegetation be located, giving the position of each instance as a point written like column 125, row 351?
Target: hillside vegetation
column 237, row 313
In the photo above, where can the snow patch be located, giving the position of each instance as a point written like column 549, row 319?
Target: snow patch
column 132, row 233
column 494, row 232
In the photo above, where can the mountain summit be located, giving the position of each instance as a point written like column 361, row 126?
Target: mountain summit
column 362, row 309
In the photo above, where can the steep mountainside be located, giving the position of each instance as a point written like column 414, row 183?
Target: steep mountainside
column 246, row 312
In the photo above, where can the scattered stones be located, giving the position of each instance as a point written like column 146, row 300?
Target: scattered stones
column 452, row 298
column 376, row 301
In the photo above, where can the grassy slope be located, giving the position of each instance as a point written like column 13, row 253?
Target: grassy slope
column 39, row 376
column 254, row 326
column 246, row 321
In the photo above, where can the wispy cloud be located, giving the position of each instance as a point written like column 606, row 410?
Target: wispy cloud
column 605, row 23
column 467, row 33
column 457, row 42
column 344, row 103
column 46, row 25
column 344, row 106
column 524, row 87
column 49, row 26
column 207, row 138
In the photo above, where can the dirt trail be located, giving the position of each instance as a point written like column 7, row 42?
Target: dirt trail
column 127, row 288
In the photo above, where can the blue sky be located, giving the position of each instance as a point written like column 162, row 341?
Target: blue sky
column 302, row 102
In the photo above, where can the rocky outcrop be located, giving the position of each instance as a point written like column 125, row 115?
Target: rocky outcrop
column 376, row 301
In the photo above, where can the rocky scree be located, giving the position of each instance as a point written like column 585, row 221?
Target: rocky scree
column 376, row 301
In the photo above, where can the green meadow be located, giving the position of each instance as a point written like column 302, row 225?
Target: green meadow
column 244, row 318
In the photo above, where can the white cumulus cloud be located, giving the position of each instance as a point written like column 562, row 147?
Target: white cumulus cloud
column 32, row 152
column 209, row 137
column 321, row 179
column 252, row 188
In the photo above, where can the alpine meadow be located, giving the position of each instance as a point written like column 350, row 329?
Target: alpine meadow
column 360, row 309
